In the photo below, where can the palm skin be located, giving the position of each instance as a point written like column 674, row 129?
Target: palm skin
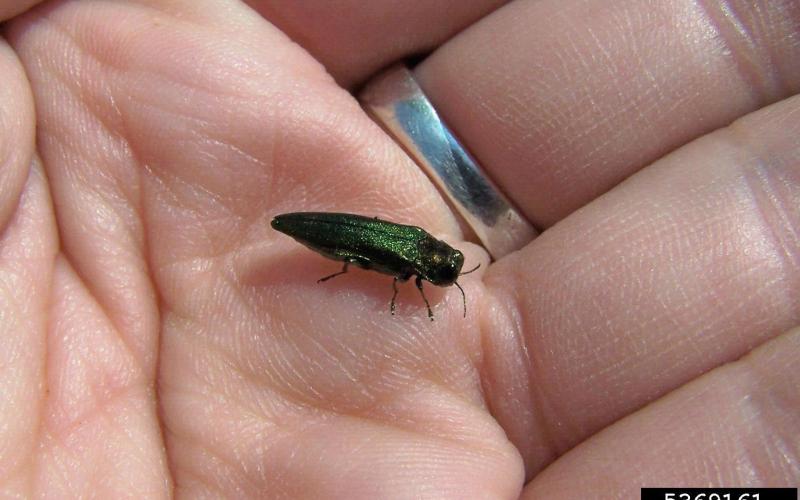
column 160, row 338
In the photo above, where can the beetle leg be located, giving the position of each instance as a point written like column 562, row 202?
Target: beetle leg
column 344, row 270
column 418, row 282
column 402, row 279
column 394, row 295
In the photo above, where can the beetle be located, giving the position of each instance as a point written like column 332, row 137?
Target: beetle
column 370, row 243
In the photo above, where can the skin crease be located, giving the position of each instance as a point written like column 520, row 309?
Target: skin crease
column 159, row 339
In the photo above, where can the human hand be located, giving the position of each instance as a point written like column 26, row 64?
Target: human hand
column 158, row 335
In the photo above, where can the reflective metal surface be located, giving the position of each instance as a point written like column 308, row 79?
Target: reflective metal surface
column 396, row 101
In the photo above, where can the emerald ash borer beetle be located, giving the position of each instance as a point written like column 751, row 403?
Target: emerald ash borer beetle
column 370, row 243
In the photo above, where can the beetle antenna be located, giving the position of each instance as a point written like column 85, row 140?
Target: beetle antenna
column 471, row 270
column 463, row 297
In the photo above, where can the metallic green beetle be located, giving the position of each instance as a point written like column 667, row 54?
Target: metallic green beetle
column 370, row 243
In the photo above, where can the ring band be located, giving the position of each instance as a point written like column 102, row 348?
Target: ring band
column 396, row 101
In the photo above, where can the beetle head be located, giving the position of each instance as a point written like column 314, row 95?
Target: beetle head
column 444, row 264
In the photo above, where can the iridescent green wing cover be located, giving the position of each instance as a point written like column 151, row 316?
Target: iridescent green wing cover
column 368, row 242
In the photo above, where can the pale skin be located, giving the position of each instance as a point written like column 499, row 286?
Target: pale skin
column 158, row 338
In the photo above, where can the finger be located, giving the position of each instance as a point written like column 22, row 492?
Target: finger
column 82, row 406
column 17, row 125
column 736, row 425
column 686, row 266
column 27, row 250
column 11, row 8
column 76, row 409
column 99, row 427
column 561, row 101
column 27, row 245
column 88, row 162
column 353, row 39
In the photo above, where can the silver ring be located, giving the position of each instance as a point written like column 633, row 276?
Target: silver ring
column 396, row 101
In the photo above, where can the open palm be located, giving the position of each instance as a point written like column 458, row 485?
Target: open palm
column 159, row 337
